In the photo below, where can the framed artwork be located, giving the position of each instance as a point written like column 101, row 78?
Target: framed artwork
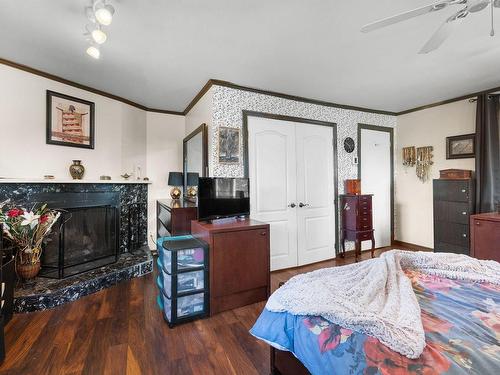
column 229, row 145
column 70, row 121
column 461, row 146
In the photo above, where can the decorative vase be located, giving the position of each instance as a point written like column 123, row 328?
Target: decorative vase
column 28, row 271
column 77, row 170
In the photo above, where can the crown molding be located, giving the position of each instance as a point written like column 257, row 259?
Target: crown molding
column 53, row 77
column 217, row 82
column 448, row 101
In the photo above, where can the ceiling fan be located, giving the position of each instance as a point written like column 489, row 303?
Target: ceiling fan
column 445, row 30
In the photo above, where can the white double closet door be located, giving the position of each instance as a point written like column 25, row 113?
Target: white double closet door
column 291, row 170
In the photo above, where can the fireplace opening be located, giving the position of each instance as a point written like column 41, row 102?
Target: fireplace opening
column 86, row 236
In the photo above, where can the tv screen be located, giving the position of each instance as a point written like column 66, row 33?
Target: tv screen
column 223, row 197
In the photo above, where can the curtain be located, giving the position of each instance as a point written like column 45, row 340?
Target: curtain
column 487, row 153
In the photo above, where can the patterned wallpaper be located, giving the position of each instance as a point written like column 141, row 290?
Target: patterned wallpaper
column 229, row 103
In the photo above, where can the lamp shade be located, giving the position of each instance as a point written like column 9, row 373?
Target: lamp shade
column 192, row 179
column 175, row 179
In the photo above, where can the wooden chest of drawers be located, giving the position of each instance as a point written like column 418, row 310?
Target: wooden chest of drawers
column 453, row 205
column 485, row 236
column 357, row 221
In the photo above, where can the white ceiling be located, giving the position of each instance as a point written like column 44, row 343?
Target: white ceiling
column 160, row 53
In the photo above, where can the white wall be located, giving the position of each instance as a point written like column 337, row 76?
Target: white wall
column 164, row 149
column 413, row 199
column 120, row 134
column 201, row 113
column 126, row 137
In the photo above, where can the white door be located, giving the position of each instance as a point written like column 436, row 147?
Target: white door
column 376, row 179
column 315, row 193
column 292, row 163
column 272, row 172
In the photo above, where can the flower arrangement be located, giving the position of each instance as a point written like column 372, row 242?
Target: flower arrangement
column 26, row 230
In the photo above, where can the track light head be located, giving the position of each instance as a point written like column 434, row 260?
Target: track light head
column 103, row 12
column 94, row 52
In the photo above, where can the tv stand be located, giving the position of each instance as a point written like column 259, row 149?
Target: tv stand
column 239, row 261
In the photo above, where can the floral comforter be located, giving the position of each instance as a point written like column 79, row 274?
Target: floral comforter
column 461, row 322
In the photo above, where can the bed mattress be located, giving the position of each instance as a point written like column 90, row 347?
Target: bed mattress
column 462, row 327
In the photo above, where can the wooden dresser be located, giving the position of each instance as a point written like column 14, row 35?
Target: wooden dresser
column 174, row 216
column 485, row 236
column 357, row 221
column 453, row 205
column 239, row 262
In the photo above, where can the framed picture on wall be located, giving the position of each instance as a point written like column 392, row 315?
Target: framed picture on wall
column 461, row 146
column 70, row 121
column 229, row 145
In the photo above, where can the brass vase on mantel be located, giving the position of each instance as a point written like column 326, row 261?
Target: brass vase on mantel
column 77, row 170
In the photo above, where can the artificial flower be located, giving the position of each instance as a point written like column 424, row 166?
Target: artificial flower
column 15, row 212
column 30, row 219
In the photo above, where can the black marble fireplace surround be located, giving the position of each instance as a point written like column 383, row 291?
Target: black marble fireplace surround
column 124, row 255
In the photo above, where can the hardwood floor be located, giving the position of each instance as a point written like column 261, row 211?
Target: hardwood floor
column 120, row 330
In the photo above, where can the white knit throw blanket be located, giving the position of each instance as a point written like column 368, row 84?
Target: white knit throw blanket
column 375, row 297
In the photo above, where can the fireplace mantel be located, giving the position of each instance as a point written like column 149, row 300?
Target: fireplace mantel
column 56, row 181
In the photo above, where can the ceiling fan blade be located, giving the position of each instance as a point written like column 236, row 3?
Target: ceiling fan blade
column 444, row 31
column 407, row 15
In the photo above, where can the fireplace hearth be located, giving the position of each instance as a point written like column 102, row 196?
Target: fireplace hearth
column 101, row 240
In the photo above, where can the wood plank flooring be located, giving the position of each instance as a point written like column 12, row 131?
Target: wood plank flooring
column 120, row 330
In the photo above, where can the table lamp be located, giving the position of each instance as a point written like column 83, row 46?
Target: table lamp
column 175, row 180
column 192, row 183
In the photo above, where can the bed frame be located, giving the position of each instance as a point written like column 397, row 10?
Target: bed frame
column 285, row 363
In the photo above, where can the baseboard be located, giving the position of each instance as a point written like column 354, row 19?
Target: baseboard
column 410, row 246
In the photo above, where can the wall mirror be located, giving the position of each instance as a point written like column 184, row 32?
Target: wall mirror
column 195, row 151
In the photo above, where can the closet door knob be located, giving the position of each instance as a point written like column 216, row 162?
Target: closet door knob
column 292, row 205
column 303, row 204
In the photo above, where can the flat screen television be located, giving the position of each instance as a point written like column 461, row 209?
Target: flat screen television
column 223, row 197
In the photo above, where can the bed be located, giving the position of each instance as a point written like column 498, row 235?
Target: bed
column 461, row 320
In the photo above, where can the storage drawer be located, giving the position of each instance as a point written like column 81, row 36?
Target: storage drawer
column 451, row 233
column 443, row 247
column 364, row 222
column 452, row 190
column 185, row 258
column 183, row 282
column 363, row 236
column 454, row 212
column 187, row 306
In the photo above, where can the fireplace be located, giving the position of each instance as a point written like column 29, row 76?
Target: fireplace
column 87, row 234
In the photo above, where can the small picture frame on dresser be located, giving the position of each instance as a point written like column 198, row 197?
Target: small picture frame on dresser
column 461, row 146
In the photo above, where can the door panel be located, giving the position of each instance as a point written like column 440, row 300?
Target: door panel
column 272, row 172
column 315, row 189
column 376, row 179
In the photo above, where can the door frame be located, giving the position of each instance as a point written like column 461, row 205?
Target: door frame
column 389, row 130
column 272, row 116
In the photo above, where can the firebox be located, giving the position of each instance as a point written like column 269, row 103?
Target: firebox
column 86, row 236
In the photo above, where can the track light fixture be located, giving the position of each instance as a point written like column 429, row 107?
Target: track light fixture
column 103, row 12
column 94, row 52
column 96, row 33
column 99, row 13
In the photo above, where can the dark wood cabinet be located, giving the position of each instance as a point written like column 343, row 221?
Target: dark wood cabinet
column 174, row 217
column 485, row 236
column 357, row 221
column 239, row 262
column 453, row 205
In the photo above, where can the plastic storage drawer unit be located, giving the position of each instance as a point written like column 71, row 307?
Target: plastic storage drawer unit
column 182, row 278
